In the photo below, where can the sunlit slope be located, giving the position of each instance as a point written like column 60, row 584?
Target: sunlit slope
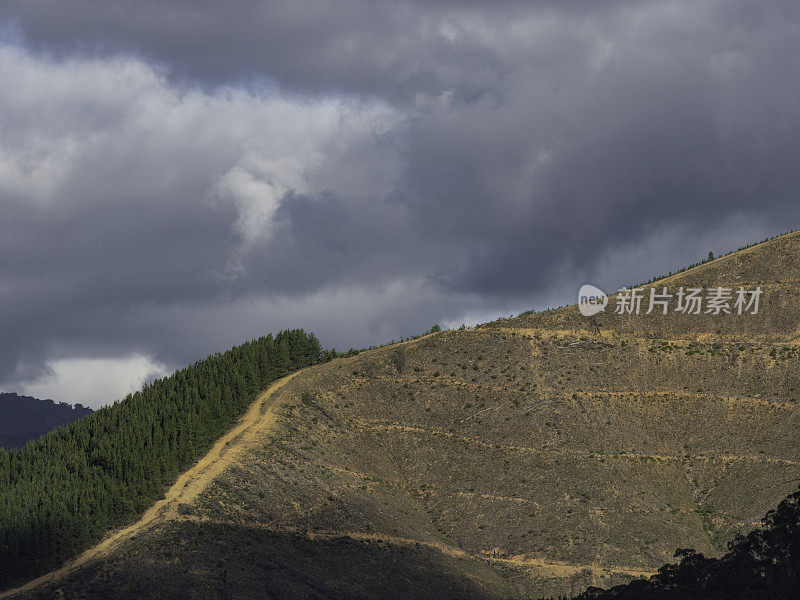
column 773, row 266
column 529, row 456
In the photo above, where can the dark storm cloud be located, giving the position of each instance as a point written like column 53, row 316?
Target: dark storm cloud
column 360, row 46
column 175, row 177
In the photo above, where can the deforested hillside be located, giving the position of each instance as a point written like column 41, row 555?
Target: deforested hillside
column 25, row 418
column 762, row 565
column 527, row 457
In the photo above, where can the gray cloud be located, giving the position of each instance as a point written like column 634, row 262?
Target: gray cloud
column 361, row 46
column 177, row 177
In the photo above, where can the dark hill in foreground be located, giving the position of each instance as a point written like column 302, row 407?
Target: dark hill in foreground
column 23, row 418
column 527, row 457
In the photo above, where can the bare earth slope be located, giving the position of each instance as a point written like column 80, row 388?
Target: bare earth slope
column 526, row 457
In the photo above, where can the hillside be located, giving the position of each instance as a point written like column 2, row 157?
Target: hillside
column 26, row 418
column 63, row 492
column 762, row 565
column 526, row 457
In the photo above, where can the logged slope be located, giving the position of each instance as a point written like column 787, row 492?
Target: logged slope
column 762, row 565
column 529, row 456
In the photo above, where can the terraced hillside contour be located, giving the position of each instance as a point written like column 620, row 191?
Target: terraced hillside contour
column 526, row 457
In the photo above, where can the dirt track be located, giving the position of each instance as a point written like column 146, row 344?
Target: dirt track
column 258, row 417
column 541, row 566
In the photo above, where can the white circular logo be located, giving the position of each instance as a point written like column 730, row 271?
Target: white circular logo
column 591, row 300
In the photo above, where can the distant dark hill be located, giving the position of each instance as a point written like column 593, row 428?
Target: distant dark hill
column 23, row 418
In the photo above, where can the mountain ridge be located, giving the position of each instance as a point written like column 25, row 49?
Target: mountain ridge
column 544, row 451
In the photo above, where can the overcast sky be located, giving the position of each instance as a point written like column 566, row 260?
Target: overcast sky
column 177, row 177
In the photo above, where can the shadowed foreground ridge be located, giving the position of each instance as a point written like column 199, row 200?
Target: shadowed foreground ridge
column 524, row 458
